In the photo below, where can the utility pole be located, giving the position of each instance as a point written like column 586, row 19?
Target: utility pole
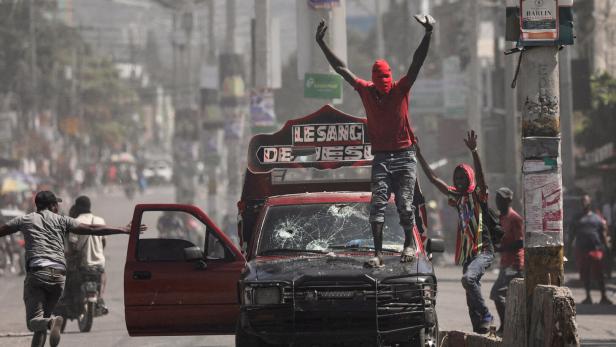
column 33, row 64
column 543, row 246
column 540, row 28
column 566, row 120
column 380, row 40
column 233, row 107
column 512, row 130
column 474, row 90
column 212, row 134
column 230, row 27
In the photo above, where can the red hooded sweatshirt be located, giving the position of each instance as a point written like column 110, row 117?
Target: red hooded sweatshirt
column 387, row 108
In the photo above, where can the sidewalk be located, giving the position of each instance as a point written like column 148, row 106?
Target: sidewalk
column 596, row 323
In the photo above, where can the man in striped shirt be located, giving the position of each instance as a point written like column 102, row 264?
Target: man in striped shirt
column 474, row 249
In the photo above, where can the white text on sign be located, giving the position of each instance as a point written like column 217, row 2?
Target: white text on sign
column 319, row 133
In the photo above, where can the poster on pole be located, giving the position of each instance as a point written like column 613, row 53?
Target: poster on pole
column 543, row 203
column 323, row 4
column 539, row 21
column 262, row 112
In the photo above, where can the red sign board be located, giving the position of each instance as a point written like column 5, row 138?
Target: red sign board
column 326, row 139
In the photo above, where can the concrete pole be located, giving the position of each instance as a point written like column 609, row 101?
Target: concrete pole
column 566, row 120
column 230, row 27
column 474, row 102
column 174, row 48
column 213, row 172
column 263, row 67
column 512, row 133
column 211, row 34
column 543, row 245
column 380, row 40
column 33, row 64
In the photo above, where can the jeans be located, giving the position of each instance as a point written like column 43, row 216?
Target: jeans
column 472, row 271
column 394, row 172
column 499, row 290
column 42, row 290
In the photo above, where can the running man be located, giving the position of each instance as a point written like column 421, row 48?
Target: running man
column 45, row 232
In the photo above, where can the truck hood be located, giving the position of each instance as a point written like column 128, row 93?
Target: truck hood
column 332, row 265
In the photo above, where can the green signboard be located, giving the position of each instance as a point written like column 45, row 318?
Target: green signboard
column 322, row 86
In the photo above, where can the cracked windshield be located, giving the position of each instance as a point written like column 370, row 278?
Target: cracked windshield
column 325, row 227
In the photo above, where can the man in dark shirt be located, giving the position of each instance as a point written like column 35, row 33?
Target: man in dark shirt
column 511, row 249
column 45, row 232
column 590, row 235
column 394, row 167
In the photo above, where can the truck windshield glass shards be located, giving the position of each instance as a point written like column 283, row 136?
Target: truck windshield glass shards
column 326, row 227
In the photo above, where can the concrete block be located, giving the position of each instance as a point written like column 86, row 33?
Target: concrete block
column 553, row 318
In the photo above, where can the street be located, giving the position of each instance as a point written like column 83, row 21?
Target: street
column 596, row 323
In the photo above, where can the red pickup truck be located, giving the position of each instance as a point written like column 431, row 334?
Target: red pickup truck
column 297, row 277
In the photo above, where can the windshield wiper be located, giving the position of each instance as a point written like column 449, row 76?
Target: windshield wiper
column 291, row 250
column 360, row 248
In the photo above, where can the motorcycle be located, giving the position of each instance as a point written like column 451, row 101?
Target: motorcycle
column 12, row 247
column 80, row 300
column 129, row 190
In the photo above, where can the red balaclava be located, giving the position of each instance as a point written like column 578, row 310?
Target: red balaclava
column 470, row 174
column 381, row 76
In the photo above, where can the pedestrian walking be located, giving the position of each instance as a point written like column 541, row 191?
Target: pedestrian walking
column 45, row 233
column 589, row 232
column 511, row 249
column 474, row 249
column 394, row 166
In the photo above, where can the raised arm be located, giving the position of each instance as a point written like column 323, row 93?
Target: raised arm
column 338, row 65
column 439, row 183
column 471, row 143
column 99, row 230
column 6, row 230
column 422, row 50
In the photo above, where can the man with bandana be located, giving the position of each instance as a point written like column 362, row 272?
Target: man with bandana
column 474, row 249
column 394, row 167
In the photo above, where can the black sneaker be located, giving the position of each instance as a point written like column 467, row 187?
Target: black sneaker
column 55, row 331
column 101, row 307
column 587, row 301
column 484, row 326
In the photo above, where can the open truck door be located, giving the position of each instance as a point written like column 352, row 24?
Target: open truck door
column 180, row 276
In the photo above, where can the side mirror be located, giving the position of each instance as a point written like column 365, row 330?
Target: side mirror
column 435, row 246
column 193, row 253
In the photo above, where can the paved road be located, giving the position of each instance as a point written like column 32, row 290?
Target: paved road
column 596, row 323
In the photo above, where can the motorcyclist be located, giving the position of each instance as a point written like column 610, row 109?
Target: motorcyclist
column 87, row 251
column 170, row 226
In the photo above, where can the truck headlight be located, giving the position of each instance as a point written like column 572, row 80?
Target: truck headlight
column 407, row 292
column 261, row 295
column 267, row 295
column 429, row 291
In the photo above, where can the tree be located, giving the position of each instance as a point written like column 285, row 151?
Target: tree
column 599, row 126
column 93, row 91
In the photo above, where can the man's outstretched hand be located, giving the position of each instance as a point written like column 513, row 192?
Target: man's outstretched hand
column 321, row 29
column 142, row 228
column 471, row 140
column 426, row 21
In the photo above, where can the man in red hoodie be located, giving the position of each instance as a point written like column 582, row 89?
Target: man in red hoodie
column 474, row 248
column 394, row 168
